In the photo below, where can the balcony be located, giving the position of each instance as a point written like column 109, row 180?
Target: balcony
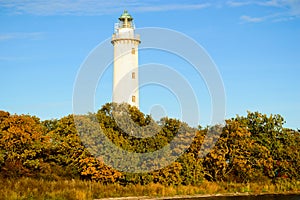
column 117, row 37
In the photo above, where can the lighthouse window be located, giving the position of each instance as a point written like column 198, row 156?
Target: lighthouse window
column 133, row 98
column 133, row 75
column 133, row 50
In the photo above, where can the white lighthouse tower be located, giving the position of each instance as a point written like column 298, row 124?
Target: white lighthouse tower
column 125, row 78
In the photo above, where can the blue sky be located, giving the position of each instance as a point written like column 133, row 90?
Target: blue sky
column 255, row 45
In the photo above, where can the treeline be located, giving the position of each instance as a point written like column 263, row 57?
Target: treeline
column 252, row 148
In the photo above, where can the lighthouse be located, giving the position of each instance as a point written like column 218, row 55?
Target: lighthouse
column 125, row 72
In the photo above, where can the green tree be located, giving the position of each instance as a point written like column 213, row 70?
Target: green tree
column 268, row 131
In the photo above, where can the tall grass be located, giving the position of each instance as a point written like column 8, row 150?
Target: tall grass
column 28, row 188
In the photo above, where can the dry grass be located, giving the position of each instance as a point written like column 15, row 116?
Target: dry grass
column 27, row 188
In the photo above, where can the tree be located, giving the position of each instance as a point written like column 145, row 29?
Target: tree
column 268, row 132
column 236, row 155
column 23, row 144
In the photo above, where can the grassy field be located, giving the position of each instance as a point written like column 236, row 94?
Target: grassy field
column 27, row 188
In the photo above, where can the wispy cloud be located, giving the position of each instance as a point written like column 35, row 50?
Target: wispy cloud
column 238, row 3
column 31, row 36
column 92, row 7
column 14, row 58
column 282, row 10
column 251, row 19
column 173, row 7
